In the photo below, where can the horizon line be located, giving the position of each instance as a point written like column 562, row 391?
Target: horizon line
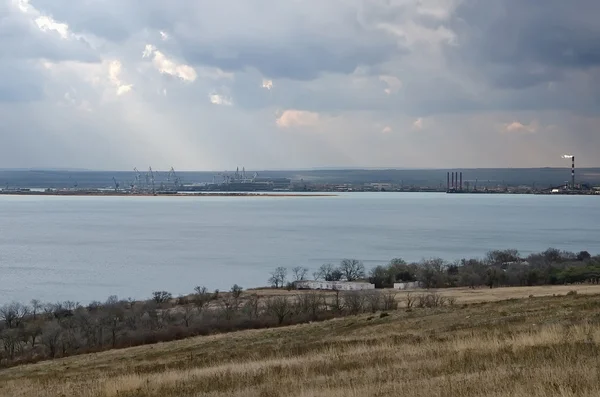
column 60, row 169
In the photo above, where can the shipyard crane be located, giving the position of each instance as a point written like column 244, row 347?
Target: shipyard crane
column 173, row 175
column 151, row 174
column 75, row 184
column 138, row 177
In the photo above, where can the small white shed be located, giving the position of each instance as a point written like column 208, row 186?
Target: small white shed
column 408, row 285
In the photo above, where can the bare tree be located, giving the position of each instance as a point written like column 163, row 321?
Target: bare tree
column 36, row 307
column 13, row 314
column 71, row 305
column 280, row 307
column 277, row 279
column 188, row 313
column 352, row 269
column 252, row 306
column 10, row 341
column 202, row 297
column 32, row 331
column 112, row 320
column 236, row 291
column 165, row 317
column 328, row 272
column 51, row 335
column 161, row 296
column 300, row 273
column 337, row 304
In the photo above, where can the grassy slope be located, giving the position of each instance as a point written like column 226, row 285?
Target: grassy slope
column 546, row 346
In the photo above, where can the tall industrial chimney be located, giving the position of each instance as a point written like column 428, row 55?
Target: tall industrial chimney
column 448, row 181
column 573, row 173
column 453, row 180
column 461, row 181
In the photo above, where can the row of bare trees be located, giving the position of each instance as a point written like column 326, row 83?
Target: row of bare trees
column 348, row 270
column 497, row 268
column 40, row 331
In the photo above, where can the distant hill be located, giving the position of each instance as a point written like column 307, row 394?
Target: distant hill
column 541, row 177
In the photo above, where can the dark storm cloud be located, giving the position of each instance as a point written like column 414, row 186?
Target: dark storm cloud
column 295, row 60
column 523, row 43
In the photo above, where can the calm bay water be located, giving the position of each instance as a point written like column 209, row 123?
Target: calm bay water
column 87, row 248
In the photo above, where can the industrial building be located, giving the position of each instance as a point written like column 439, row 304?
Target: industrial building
column 334, row 285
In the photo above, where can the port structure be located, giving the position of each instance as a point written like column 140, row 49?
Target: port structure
column 241, row 181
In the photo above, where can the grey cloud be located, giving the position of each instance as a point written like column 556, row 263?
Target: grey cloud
column 505, row 54
column 297, row 40
column 22, row 39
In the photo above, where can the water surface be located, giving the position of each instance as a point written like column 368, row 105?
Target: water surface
column 86, row 248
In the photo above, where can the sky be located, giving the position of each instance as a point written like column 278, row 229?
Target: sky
column 269, row 84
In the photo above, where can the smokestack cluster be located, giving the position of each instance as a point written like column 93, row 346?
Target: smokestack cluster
column 457, row 181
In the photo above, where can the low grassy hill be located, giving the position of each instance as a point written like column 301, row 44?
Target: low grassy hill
column 527, row 347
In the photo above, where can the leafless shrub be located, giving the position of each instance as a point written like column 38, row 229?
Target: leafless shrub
column 430, row 300
column 374, row 300
column 354, row 301
column 410, row 300
column 389, row 301
column 228, row 307
column 311, row 303
column 337, row 303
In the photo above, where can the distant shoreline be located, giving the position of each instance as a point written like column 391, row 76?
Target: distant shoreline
column 129, row 194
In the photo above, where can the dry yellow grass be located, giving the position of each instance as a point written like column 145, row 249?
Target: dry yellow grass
column 469, row 295
column 548, row 346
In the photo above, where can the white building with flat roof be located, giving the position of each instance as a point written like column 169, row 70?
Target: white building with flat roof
column 334, row 285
